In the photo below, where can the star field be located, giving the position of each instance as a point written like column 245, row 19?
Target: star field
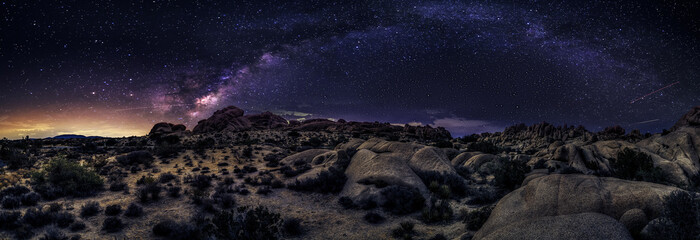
column 113, row 68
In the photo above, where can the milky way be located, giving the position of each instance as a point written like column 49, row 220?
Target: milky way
column 116, row 67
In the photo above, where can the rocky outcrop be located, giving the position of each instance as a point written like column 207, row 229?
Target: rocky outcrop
column 379, row 163
column 227, row 119
column 573, row 226
column 558, row 195
column 232, row 119
column 163, row 128
column 690, row 119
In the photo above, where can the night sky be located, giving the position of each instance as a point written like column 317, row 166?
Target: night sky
column 114, row 68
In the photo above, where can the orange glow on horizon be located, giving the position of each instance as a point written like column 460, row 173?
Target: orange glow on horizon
column 88, row 122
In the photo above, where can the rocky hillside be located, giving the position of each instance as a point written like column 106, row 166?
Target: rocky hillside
column 237, row 176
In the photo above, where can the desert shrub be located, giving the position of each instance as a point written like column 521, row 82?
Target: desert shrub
column 346, row 202
column 53, row 233
column 149, row 192
column 9, row 220
column 63, row 219
column 438, row 237
column 276, row 183
column 633, row 165
column 201, row 182
column 15, row 190
column 37, row 218
column 174, row 192
column 55, row 207
column 166, row 177
column 165, row 151
column 90, row 209
column 247, row 223
column 112, row 224
column 374, row 218
column 510, row 173
column 145, row 180
column 264, row 190
column 118, row 186
column 444, row 144
column 113, row 210
column 133, row 210
column 201, row 145
column 455, row 183
column 482, row 196
column 11, row 202
column 62, row 177
column 327, row 181
column 247, row 152
column 227, row 201
column 77, row 226
column 24, row 232
column 291, row 227
column 476, row 218
column 292, row 172
column 437, row 211
column 401, row 200
column 405, row 230
column 679, row 220
column 485, row 147
column 137, row 157
column 15, row 159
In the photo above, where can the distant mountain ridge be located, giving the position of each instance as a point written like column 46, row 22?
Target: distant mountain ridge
column 71, row 136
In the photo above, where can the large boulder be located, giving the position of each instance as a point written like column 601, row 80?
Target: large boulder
column 266, row 120
column 163, row 128
column 369, row 171
column 690, row 119
column 557, row 194
column 573, row 226
column 227, row 119
column 304, row 157
column 337, row 160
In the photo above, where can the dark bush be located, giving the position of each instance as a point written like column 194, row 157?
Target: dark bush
column 174, row 192
column 37, row 218
column 167, row 151
column 137, row 157
column 292, row 172
column 264, row 190
column 482, row 196
column 9, row 220
column 166, row 177
column 11, row 202
column 292, row 227
column 401, row 200
column 438, row 237
column 437, row 211
column 149, row 192
column 346, row 202
column 62, row 177
column 485, row 147
column 145, row 180
column 15, row 190
column 134, row 210
column 118, row 186
column 510, row 173
column 77, row 226
column 374, row 218
column 53, row 234
column 327, row 181
column 476, row 218
column 404, row 231
column 15, row 159
column 680, row 215
column 633, row 165
column 201, row 182
column 456, row 183
column 247, row 224
column 63, row 219
column 113, row 210
column 165, row 228
column 90, row 209
column 112, row 224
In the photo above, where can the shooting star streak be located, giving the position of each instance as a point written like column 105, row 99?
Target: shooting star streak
column 648, row 121
column 156, row 106
column 648, row 94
